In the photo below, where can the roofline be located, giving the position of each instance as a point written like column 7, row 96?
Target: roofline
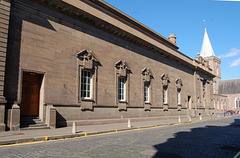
column 125, row 27
column 231, row 79
column 129, row 19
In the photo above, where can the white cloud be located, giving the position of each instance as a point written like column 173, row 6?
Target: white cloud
column 233, row 52
column 235, row 63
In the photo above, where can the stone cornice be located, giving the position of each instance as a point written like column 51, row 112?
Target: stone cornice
column 168, row 51
column 108, row 9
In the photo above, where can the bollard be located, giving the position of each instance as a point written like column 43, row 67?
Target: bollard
column 129, row 123
column 74, row 128
column 179, row 119
column 190, row 119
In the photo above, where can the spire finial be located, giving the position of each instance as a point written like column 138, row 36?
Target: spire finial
column 206, row 50
column 204, row 23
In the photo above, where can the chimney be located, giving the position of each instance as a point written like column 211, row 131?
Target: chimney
column 172, row 38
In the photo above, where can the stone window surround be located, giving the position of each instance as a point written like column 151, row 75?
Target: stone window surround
column 147, row 77
column 204, row 91
column 87, row 61
column 179, row 85
column 237, row 102
column 122, row 70
column 165, row 82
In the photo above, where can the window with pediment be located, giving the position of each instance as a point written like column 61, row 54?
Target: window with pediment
column 147, row 76
column 179, row 88
column 165, row 82
column 122, row 84
column 88, row 65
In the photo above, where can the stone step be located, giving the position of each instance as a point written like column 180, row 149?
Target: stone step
column 25, row 119
column 34, row 128
column 31, row 123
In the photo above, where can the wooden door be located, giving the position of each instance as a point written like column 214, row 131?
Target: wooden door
column 30, row 94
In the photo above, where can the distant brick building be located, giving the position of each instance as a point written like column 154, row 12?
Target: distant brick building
column 85, row 61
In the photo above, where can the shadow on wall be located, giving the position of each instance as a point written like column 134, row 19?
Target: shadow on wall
column 209, row 141
column 60, row 121
column 17, row 18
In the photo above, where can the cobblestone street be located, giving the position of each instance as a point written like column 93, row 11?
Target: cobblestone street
column 214, row 138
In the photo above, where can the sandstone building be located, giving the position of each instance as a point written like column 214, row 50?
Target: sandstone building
column 231, row 89
column 226, row 93
column 86, row 61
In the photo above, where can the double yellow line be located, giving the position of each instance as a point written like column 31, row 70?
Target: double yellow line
column 104, row 133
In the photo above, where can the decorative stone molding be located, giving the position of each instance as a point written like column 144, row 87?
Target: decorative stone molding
column 87, row 105
column 122, row 106
column 165, row 79
column 179, row 83
column 147, row 74
column 147, row 77
column 122, row 68
column 179, row 107
column 87, row 59
column 165, row 107
column 147, row 107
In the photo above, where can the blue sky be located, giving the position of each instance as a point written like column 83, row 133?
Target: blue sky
column 185, row 19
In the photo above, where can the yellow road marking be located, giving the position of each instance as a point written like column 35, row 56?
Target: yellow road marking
column 105, row 133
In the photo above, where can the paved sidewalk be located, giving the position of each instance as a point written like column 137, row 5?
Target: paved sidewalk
column 23, row 136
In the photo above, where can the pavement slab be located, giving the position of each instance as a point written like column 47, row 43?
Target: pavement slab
column 23, row 136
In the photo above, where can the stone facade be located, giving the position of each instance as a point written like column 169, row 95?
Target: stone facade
column 97, row 65
column 226, row 93
column 231, row 89
column 4, row 25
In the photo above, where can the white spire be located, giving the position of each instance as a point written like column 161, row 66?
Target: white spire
column 206, row 50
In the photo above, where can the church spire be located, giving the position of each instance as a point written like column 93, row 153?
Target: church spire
column 206, row 50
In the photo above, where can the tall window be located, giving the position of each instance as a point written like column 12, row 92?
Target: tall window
column 178, row 96
column 164, row 94
column 121, row 88
column 86, row 84
column 237, row 102
column 146, row 92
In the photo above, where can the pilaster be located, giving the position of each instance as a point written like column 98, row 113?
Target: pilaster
column 5, row 6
